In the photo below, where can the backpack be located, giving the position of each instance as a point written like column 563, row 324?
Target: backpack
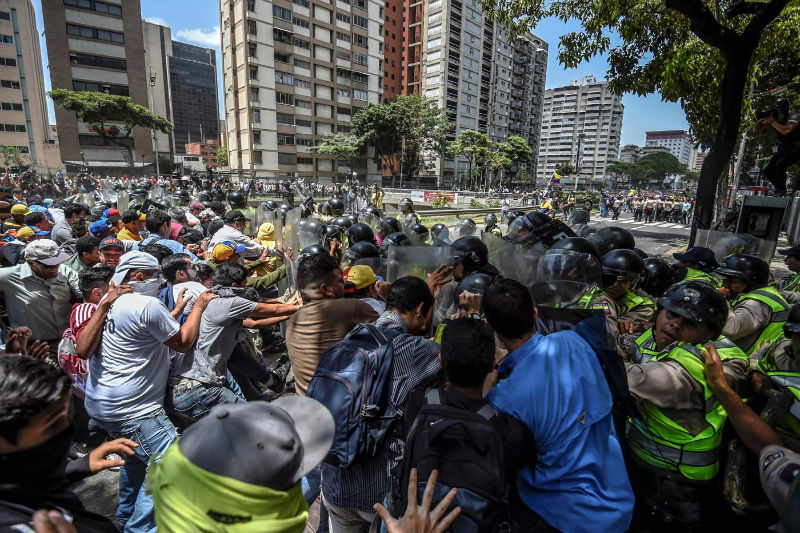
column 168, row 299
column 352, row 380
column 466, row 449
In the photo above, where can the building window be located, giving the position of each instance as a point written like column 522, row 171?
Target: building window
column 303, row 84
column 96, row 61
column 301, row 22
column 256, row 137
column 285, row 138
column 341, row 17
column 6, row 39
column 342, row 36
column 283, row 77
column 343, row 111
column 93, row 33
column 301, row 141
column 360, row 78
column 281, row 36
column 13, row 128
column 8, row 62
column 11, row 106
column 360, row 4
column 302, row 122
column 281, row 13
column 5, row 15
column 303, row 103
column 358, row 94
column 108, row 88
column 304, row 161
column 93, row 5
column 342, row 55
column 251, row 5
column 360, row 21
column 302, row 64
column 344, row 74
column 254, row 94
column 285, row 118
column 96, row 140
column 257, row 159
column 284, row 98
column 282, row 58
column 302, row 43
column 257, row 116
column 343, row 92
column 6, row 84
column 252, row 27
column 303, row 3
column 360, row 40
column 251, row 51
column 343, row 129
column 287, row 159
column 361, row 59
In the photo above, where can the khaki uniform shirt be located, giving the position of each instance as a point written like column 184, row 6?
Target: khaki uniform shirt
column 746, row 321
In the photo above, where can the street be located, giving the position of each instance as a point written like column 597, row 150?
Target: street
column 655, row 238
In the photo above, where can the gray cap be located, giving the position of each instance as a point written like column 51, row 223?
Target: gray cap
column 46, row 252
column 266, row 444
column 780, row 479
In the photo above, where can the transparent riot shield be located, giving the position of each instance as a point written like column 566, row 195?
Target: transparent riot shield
column 724, row 243
column 370, row 220
column 379, row 265
column 290, row 229
column 306, row 237
column 562, row 277
column 280, row 240
column 462, row 227
column 88, row 198
column 416, row 261
column 123, row 201
column 107, row 192
column 158, row 194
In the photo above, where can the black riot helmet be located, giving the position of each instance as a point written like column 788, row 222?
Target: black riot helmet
column 236, row 199
column 371, row 210
column 361, row 250
column 471, row 252
column 341, row 222
column 285, row 206
column 394, row 239
column 352, row 217
column 97, row 210
column 313, row 250
column 622, row 265
column 576, row 244
column 659, row 275
column 476, row 283
column 331, row 232
column 359, row 233
column 204, row 197
column 310, row 226
column 271, row 205
column 490, row 220
column 792, row 324
column 751, row 268
column 641, row 253
column 698, row 301
column 466, row 226
column 389, row 225
column 281, row 213
column 420, row 232
column 406, row 203
column 612, row 238
column 337, row 206
column 436, row 230
column 536, row 219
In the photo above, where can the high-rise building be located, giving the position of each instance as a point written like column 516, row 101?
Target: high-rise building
column 207, row 150
column 582, row 126
column 294, row 72
column 698, row 160
column 95, row 45
column 630, row 153
column 677, row 142
column 184, row 88
column 483, row 79
column 23, row 109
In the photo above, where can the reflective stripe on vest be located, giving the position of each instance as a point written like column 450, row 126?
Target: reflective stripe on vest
column 699, row 275
column 645, row 347
column 790, row 382
column 633, row 300
column 780, row 312
column 793, row 284
column 664, row 443
column 586, row 299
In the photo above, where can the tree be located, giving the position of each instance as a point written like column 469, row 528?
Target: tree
column 701, row 52
column 12, row 156
column 658, row 166
column 222, row 156
column 341, row 147
column 517, row 151
column 475, row 147
column 627, row 172
column 564, row 169
column 110, row 116
column 403, row 131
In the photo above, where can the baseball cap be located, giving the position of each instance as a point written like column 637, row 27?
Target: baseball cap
column 131, row 215
column 96, row 228
column 26, row 232
column 235, row 216
column 267, row 444
column 794, row 251
column 358, row 277
column 134, row 260
column 110, row 212
column 109, row 242
column 197, row 205
column 225, row 249
column 20, row 209
column 46, row 252
column 698, row 256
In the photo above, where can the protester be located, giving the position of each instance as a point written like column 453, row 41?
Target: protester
column 87, row 253
column 235, row 223
column 133, row 225
column 62, row 231
column 111, row 250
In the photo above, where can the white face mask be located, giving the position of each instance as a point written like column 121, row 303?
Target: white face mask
column 147, row 287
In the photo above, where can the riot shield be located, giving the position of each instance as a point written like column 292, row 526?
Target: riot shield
column 370, row 220
column 416, row 261
column 290, row 229
column 107, row 192
column 123, row 201
column 88, row 198
column 158, row 195
column 379, row 265
column 306, row 237
column 562, row 277
column 462, row 227
column 724, row 243
column 280, row 240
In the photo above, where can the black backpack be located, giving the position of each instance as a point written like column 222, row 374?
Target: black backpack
column 469, row 455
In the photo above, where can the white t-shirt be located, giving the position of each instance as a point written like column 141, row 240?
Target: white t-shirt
column 128, row 375
column 193, row 289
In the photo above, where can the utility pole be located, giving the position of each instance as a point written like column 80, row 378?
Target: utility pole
column 737, row 169
column 150, row 85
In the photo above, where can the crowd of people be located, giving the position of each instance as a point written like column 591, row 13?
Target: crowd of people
column 239, row 364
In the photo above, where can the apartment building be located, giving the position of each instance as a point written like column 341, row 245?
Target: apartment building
column 95, row 45
column 483, row 79
column 183, row 88
column 294, row 71
column 677, row 142
column 206, row 150
column 582, row 126
column 23, row 109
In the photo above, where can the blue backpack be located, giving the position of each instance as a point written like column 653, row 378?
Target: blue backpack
column 352, row 380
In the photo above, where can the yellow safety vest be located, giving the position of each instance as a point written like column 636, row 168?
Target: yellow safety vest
column 780, row 312
column 694, row 274
column 663, row 443
column 790, row 382
column 793, row 285
column 645, row 347
column 632, row 300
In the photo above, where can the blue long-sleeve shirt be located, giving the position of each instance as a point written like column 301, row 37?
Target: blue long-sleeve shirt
column 554, row 384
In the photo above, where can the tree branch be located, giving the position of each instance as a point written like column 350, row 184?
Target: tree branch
column 703, row 23
column 762, row 19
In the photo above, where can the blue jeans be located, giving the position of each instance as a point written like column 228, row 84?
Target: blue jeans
column 195, row 402
column 154, row 433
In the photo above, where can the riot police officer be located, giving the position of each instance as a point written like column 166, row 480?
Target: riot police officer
column 659, row 276
column 359, row 232
column 386, row 227
column 471, row 255
column 406, row 207
column 699, row 263
column 490, row 225
column 676, row 445
column 419, row 234
column 758, row 310
column 612, row 238
column 440, row 235
column 393, row 239
column 790, row 286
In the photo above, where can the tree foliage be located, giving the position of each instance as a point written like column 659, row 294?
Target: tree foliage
column 517, row 150
column 655, row 167
column 564, row 169
column 222, row 156
column 342, row 147
column 110, row 116
column 403, row 131
column 12, row 156
column 701, row 53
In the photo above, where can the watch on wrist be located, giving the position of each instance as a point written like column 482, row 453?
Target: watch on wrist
column 476, row 316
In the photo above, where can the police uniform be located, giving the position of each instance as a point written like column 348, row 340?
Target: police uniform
column 777, row 361
column 649, row 206
column 693, row 273
column 756, row 318
column 636, row 307
column 495, row 230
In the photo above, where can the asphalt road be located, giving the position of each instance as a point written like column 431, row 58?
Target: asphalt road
column 655, row 238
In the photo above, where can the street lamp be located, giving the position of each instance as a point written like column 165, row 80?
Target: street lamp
column 150, row 85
